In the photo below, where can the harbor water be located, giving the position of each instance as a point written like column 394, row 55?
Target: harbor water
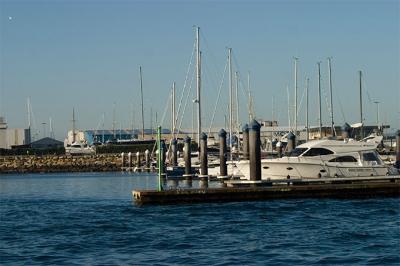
column 91, row 219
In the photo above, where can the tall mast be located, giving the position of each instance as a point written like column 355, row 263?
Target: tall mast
column 28, row 105
column 230, row 100
column 288, row 105
column 173, row 110
column 250, row 101
column 361, row 111
column 141, row 96
column 295, row 95
column 307, row 123
column 237, row 123
column 319, row 100
column 331, row 98
column 198, row 84
column 73, row 125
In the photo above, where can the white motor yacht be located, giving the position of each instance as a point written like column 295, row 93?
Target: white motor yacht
column 78, row 148
column 323, row 158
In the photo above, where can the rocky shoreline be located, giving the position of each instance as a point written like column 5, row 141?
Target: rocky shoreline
column 60, row 163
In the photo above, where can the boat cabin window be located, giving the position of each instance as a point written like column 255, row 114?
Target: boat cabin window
column 317, row 152
column 297, row 152
column 344, row 159
column 370, row 157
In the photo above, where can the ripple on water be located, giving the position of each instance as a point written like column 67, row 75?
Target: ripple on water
column 89, row 229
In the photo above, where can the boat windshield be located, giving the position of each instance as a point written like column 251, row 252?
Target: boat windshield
column 297, row 152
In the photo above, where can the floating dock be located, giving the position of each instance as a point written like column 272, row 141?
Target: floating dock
column 387, row 186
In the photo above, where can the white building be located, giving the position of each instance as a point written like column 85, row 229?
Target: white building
column 13, row 136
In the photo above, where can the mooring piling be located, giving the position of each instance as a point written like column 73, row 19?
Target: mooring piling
column 147, row 159
column 174, row 150
column 255, row 150
column 291, row 144
column 187, row 156
column 138, row 160
column 203, row 156
column 223, row 171
column 122, row 160
column 129, row 160
column 279, row 148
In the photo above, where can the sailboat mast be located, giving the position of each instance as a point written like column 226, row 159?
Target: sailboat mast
column 173, row 110
column 307, row 123
column 141, row 96
column 319, row 100
column 230, row 100
column 198, row 85
column 29, row 113
column 73, row 125
column 361, row 111
column 295, row 95
column 331, row 98
column 250, row 104
column 237, row 102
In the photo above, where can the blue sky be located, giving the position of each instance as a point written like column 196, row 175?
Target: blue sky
column 86, row 55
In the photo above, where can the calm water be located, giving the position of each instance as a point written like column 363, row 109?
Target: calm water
column 90, row 219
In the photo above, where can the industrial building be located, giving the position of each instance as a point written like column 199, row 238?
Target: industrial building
column 10, row 137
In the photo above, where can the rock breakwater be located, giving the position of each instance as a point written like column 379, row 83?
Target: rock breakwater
column 60, row 163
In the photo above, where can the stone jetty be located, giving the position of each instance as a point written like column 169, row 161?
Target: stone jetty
column 60, row 163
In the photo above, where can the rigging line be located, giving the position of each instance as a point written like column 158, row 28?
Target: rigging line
column 212, row 55
column 165, row 110
column 245, row 93
column 341, row 111
column 301, row 101
column 187, row 99
column 185, row 82
column 219, row 94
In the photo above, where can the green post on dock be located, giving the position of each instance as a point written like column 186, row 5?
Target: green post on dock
column 159, row 162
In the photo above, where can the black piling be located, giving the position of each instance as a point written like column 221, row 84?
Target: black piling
column 255, row 150
column 223, row 171
column 174, row 152
column 163, row 156
column 203, row 156
column 187, row 156
column 245, row 144
column 291, row 142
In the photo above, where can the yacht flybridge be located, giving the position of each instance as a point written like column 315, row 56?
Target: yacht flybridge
column 323, row 158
